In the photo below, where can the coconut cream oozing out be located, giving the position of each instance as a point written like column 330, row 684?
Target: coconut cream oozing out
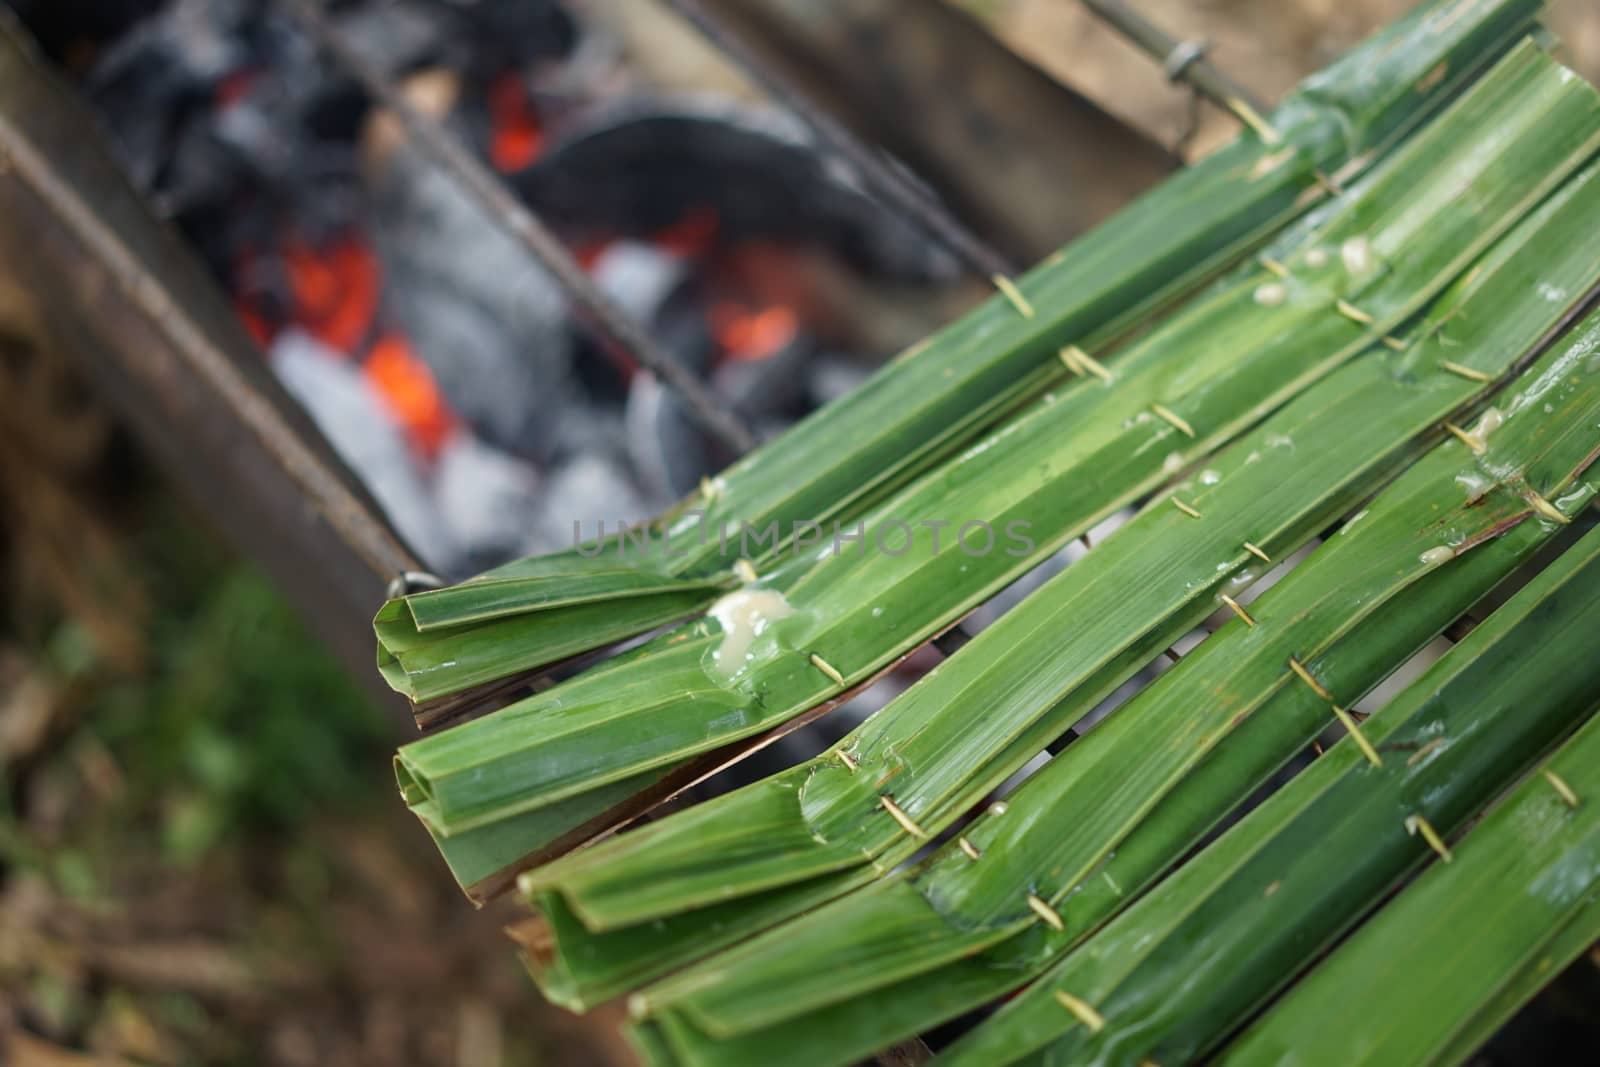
column 744, row 615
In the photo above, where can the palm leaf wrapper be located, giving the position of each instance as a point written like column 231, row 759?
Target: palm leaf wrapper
column 1347, row 371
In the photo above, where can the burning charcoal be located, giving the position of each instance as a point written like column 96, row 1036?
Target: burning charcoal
column 512, row 33
column 346, row 409
column 639, row 167
column 755, row 358
column 587, row 428
column 767, row 380
column 161, row 75
column 833, row 376
column 644, row 281
column 668, row 450
column 716, row 226
column 588, row 490
column 265, row 132
column 487, row 498
column 232, row 123
column 485, row 316
column 398, row 38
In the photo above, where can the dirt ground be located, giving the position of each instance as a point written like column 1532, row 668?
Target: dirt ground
column 202, row 860
column 1267, row 45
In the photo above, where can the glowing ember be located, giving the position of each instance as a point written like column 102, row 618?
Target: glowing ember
column 255, row 322
column 517, row 136
column 691, row 236
column 408, row 387
column 336, row 290
column 747, row 334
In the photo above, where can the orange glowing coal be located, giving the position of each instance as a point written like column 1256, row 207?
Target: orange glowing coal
column 336, row 290
column 750, row 334
column 412, row 395
column 692, row 236
column 516, row 138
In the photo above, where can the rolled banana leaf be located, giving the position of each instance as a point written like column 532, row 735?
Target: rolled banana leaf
column 851, row 456
column 1408, row 987
column 1073, row 458
column 1172, row 975
column 584, row 965
column 1035, row 670
column 1097, row 823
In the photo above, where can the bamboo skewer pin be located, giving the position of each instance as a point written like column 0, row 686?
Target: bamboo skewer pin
column 1422, row 753
column 827, row 668
column 1048, row 915
column 1084, row 1013
column 1306, row 676
column 1345, row 719
column 898, row 814
column 1009, row 290
column 1238, row 609
column 1081, row 363
column 1353, row 313
column 1465, row 372
column 1544, row 507
column 1328, row 183
column 1170, row 416
column 1416, row 824
column 1565, row 791
column 1474, row 445
column 1351, row 727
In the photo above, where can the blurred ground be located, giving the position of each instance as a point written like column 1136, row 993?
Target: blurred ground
column 1267, row 45
column 201, row 859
